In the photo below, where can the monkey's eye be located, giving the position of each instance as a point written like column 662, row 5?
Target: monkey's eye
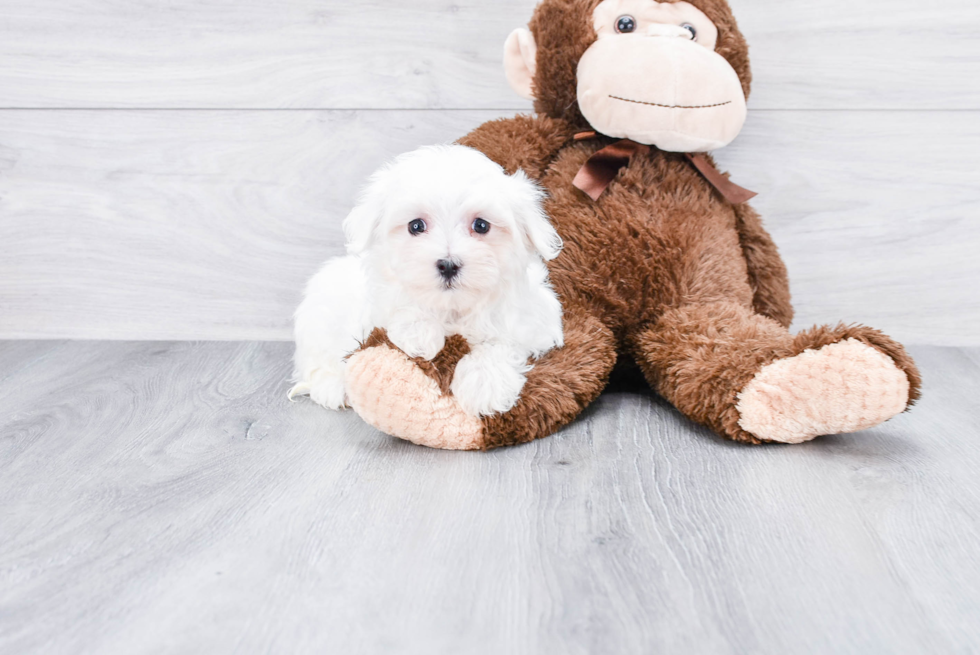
column 625, row 24
column 416, row 227
column 690, row 28
column 480, row 226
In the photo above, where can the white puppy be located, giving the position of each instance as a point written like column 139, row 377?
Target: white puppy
column 442, row 242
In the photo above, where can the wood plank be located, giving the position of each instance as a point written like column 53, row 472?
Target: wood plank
column 166, row 497
column 874, row 216
column 182, row 225
column 863, row 55
column 205, row 225
column 256, row 54
column 26, row 355
column 432, row 54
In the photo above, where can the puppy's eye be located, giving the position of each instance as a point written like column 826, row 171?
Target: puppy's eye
column 625, row 24
column 690, row 28
column 416, row 227
column 480, row 226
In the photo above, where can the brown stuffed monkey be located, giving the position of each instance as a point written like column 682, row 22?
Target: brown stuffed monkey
column 663, row 261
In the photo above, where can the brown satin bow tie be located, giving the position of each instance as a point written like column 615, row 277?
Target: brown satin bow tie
column 598, row 172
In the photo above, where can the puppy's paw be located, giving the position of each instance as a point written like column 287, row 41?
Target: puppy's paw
column 488, row 381
column 418, row 338
column 325, row 388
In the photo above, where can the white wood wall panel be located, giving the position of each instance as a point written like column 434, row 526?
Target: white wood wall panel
column 875, row 214
column 257, row 54
column 869, row 54
column 434, row 54
column 205, row 224
column 189, row 224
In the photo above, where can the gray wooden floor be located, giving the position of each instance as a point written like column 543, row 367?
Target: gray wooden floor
column 165, row 497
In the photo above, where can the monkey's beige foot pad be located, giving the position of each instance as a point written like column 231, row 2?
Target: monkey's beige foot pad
column 391, row 393
column 844, row 387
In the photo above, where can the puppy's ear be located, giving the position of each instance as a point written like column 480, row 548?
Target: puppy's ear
column 526, row 200
column 362, row 221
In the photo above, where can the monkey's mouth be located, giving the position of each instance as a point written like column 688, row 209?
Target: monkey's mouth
column 655, row 104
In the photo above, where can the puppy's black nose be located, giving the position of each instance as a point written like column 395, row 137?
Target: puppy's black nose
column 447, row 268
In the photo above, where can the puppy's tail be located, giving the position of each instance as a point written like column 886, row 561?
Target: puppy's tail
column 301, row 389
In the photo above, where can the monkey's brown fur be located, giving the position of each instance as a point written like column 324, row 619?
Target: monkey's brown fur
column 660, row 268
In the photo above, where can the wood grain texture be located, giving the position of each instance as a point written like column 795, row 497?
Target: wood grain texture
column 205, row 225
column 874, row 214
column 165, row 497
column 432, row 54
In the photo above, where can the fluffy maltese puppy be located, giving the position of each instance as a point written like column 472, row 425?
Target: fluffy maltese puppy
column 442, row 242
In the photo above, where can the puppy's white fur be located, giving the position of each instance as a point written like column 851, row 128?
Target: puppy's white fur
column 500, row 300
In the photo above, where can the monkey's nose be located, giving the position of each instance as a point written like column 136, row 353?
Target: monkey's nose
column 447, row 269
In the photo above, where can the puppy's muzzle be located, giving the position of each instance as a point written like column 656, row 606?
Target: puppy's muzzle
column 448, row 269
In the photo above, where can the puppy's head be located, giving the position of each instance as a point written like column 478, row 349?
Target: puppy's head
column 449, row 226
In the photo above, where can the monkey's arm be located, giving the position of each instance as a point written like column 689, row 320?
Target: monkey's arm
column 767, row 272
column 525, row 142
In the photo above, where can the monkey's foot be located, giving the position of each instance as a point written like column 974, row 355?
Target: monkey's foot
column 842, row 387
column 390, row 392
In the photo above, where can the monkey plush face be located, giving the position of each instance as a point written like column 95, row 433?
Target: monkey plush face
column 650, row 72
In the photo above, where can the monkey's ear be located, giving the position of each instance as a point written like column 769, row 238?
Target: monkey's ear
column 520, row 61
